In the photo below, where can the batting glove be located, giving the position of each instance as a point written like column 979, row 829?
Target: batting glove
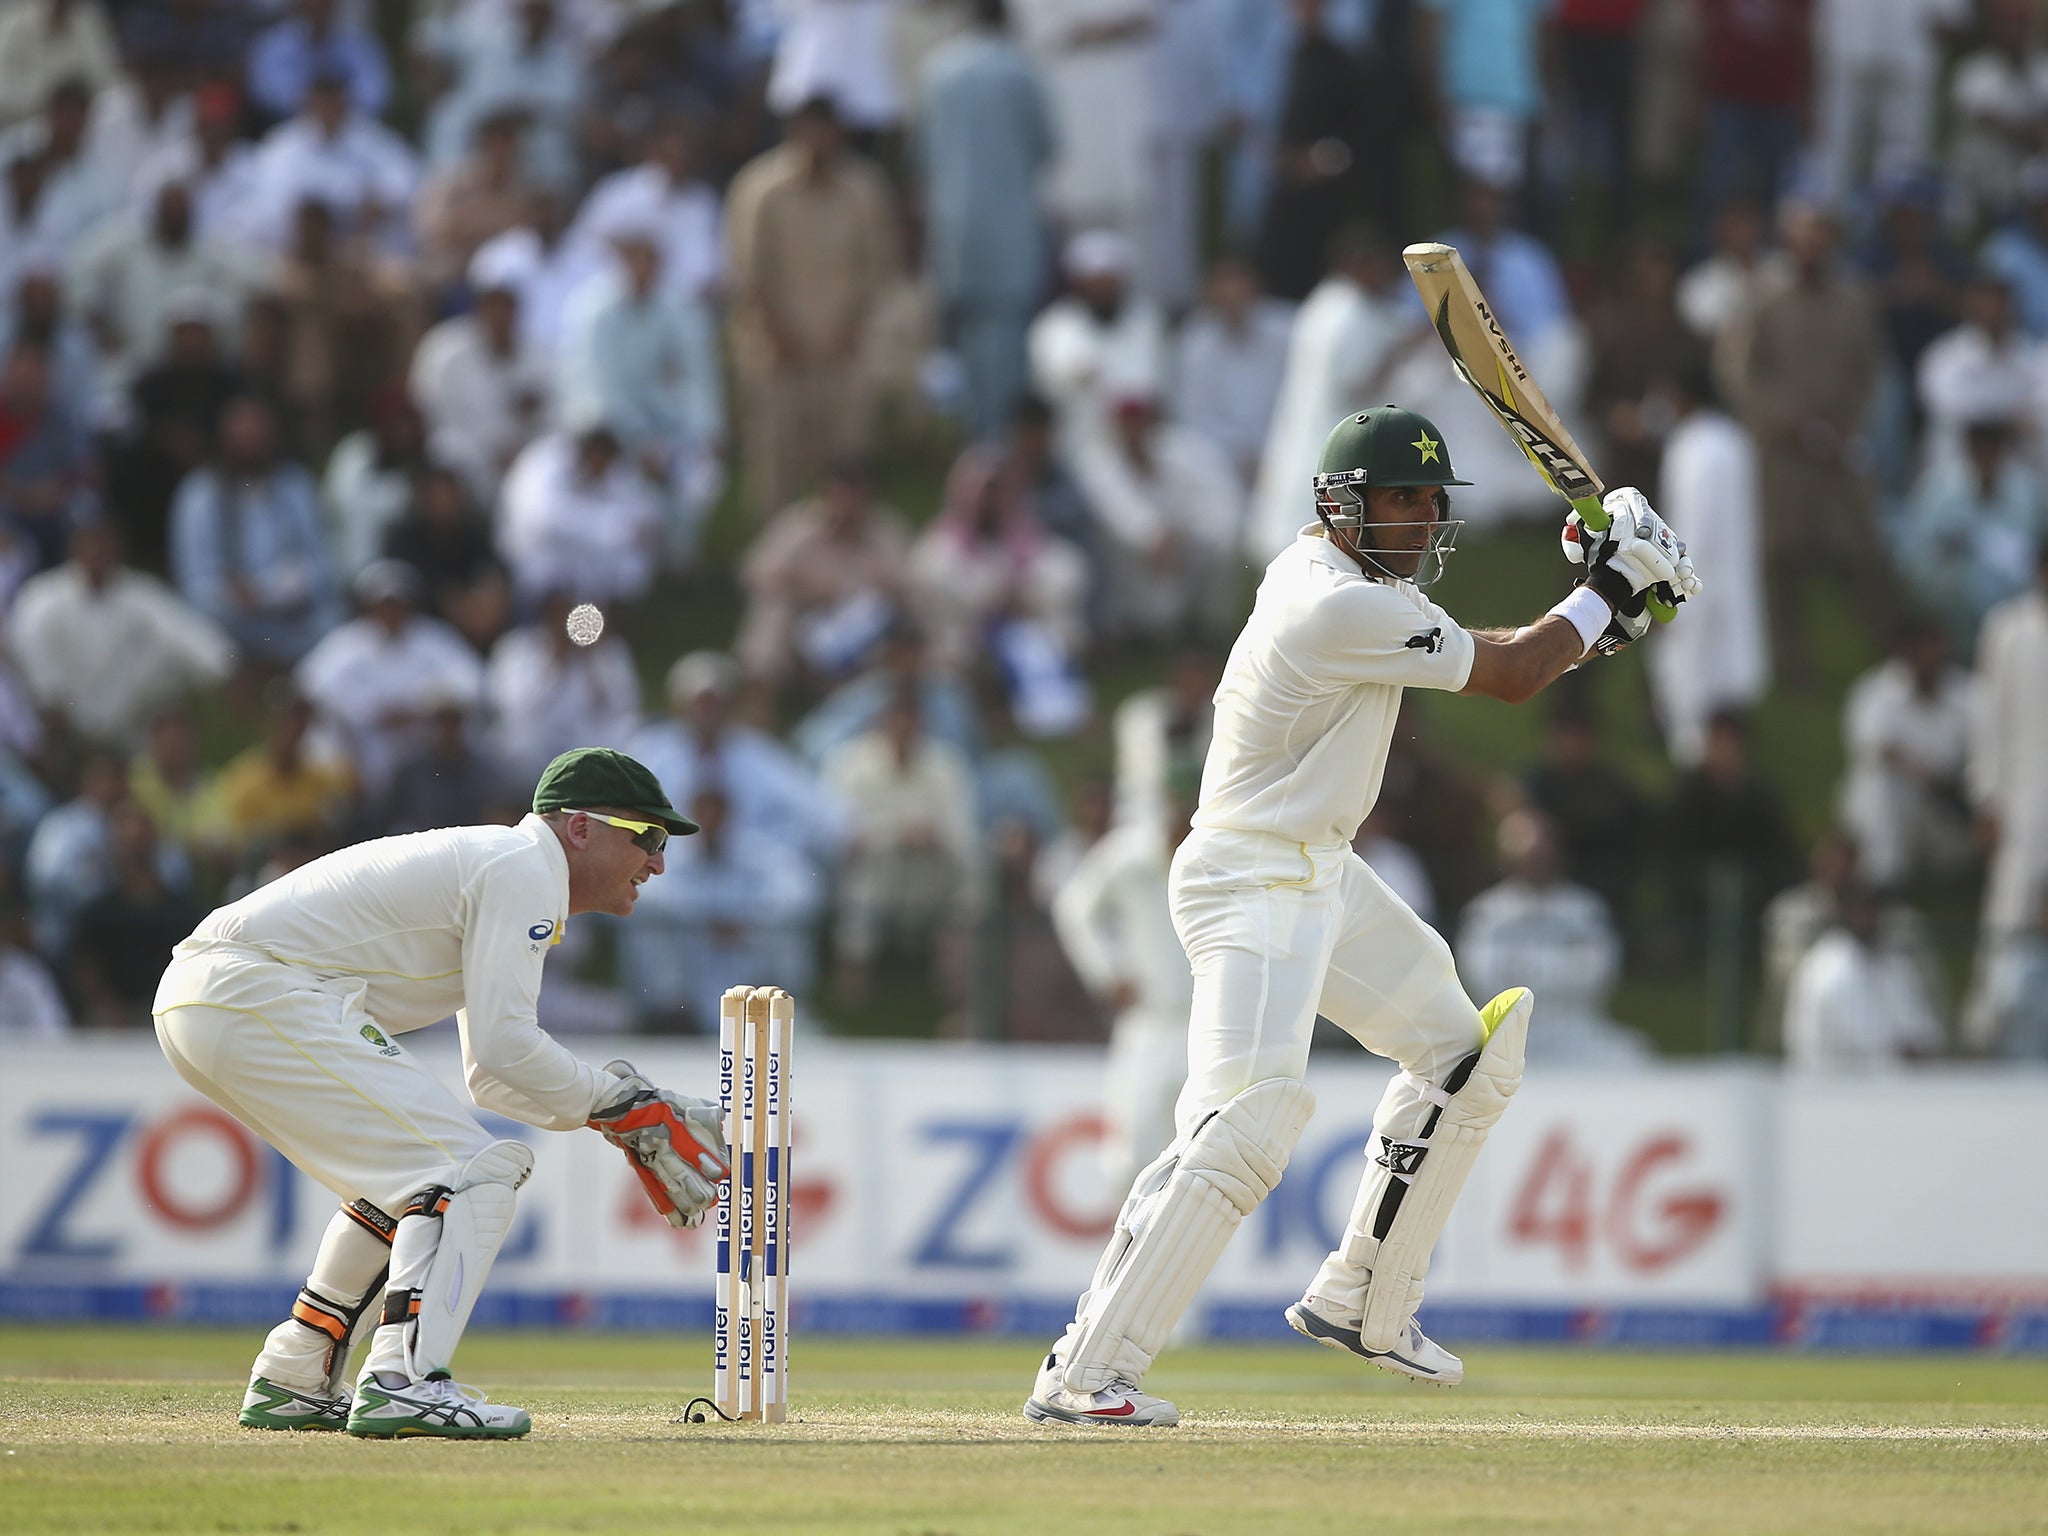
column 675, row 1144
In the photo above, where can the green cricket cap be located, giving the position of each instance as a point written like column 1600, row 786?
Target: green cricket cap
column 1391, row 446
column 597, row 778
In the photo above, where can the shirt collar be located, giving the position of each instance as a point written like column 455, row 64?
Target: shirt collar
column 1323, row 549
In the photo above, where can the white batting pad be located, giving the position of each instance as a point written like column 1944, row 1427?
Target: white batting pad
column 1173, row 1228
column 1428, row 1138
column 473, row 1228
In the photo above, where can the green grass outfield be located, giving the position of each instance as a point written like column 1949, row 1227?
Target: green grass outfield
column 107, row 1430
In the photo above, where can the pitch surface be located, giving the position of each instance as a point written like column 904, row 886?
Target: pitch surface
column 114, row 1430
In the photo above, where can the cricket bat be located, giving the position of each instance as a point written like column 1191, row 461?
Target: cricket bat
column 1486, row 360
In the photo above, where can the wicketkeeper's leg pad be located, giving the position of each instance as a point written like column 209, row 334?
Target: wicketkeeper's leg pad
column 440, row 1258
column 1427, row 1138
column 310, row 1350
column 1180, row 1214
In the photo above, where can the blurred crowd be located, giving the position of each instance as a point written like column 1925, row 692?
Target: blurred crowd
column 369, row 373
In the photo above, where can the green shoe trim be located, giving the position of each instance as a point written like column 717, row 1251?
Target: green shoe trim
column 263, row 1415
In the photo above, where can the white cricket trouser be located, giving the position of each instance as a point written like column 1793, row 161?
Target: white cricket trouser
column 1278, row 932
column 286, row 1054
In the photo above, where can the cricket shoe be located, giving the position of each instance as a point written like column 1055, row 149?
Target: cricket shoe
column 1417, row 1355
column 437, row 1407
column 267, row 1405
column 1119, row 1403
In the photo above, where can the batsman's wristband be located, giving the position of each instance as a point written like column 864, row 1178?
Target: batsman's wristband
column 1587, row 612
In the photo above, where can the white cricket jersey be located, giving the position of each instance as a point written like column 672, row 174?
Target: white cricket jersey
column 452, row 921
column 1306, row 708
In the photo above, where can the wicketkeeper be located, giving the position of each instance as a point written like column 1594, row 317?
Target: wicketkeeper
column 1281, row 921
column 287, row 1008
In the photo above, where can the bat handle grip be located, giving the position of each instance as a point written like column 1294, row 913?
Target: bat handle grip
column 1591, row 513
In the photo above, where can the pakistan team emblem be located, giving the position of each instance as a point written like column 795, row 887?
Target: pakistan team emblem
column 375, row 1036
column 1427, row 447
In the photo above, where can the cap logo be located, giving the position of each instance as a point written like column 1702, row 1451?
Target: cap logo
column 1427, row 447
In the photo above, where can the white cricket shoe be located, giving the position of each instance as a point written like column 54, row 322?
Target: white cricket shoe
column 440, row 1408
column 272, row 1405
column 1120, row 1403
column 1417, row 1355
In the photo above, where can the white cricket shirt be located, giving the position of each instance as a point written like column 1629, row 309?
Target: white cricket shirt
column 1306, row 708
column 453, row 921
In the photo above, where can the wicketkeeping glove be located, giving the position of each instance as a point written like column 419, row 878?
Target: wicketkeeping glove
column 675, row 1144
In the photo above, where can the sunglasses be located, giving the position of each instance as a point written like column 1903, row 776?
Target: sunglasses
column 648, row 836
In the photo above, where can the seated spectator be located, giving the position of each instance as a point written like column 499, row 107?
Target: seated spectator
column 823, row 580
column 665, row 195
column 1717, row 294
column 1798, row 916
column 1725, row 824
column 76, row 189
column 737, row 905
column 340, row 157
column 45, row 41
column 47, row 474
column 1232, row 359
column 574, row 501
column 769, row 789
column 1997, row 110
column 1035, row 474
column 1552, row 936
column 371, row 477
column 1906, row 726
column 644, row 361
column 1169, row 509
column 467, row 204
column 485, row 391
column 857, row 705
column 133, row 275
column 443, row 779
column 176, row 406
column 215, row 162
column 1708, row 488
column 2018, row 251
column 122, row 938
column 912, row 867
column 1598, row 814
column 42, row 316
column 101, row 646
column 171, row 783
column 450, row 545
column 2010, row 1007
column 1158, row 730
column 246, row 544
column 530, row 58
column 32, row 1009
column 1101, row 342
column 546, row 692
column 282, row 788
column 1983, row 367
column 320, row 40
column 349, row 317
column 544, row 265
column 1856, row 1001
column 68, row 860
column 986, row 560
column 379, row 676
column 1972, row 525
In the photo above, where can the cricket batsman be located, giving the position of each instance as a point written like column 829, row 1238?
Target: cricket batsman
column 286, row 1008
column 1281, row 921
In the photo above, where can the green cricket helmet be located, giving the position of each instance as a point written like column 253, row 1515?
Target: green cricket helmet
column 1387, row 446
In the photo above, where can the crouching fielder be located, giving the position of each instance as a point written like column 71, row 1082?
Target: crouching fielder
column 1281, row 921
column 286, row 1009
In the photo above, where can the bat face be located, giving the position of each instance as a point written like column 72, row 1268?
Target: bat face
column 1487, row 361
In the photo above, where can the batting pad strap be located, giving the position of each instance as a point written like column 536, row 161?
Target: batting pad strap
column 475, row 1216
column 1175, row 1226
column 1587, row 612
column 1410, row 1214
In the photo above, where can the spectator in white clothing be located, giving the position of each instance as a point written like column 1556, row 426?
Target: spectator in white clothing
column 1980, row 368
column 45, row 41
column 1559, row 939
column 1997, row 110
column 1906, row 725
column 548, row 691
column 770, row 789
column 667, row 196
column 484, row 389
column 332, row 154
column 1102, row 341
column 1857, row 1001
column 371, row 479
column 1170, row 510
column 379, row 677
column 1232, row 360
column 574, row 501
column 103, row 646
